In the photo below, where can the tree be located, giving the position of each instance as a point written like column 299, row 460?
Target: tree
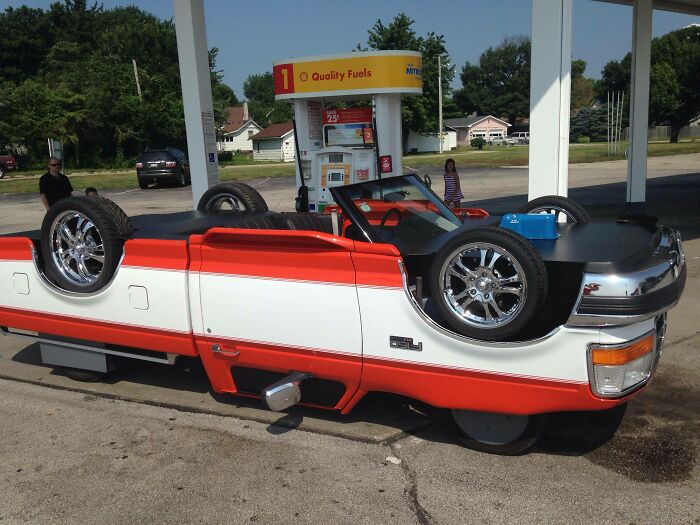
column 581, row 87
column 675, row 78
column 418, row 113
column 259, row 90
column 67, row 73
column 500, row 84
column 664, row 92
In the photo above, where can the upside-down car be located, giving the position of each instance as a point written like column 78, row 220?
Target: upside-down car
column 497, row 321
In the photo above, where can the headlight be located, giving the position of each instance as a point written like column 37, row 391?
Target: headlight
column 616, row 370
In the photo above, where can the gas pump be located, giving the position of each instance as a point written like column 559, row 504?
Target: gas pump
column 336, row 145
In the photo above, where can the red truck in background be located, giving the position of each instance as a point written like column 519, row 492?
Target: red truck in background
column 7, row 162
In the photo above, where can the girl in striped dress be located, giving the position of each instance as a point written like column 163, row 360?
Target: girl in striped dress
column 453, row 190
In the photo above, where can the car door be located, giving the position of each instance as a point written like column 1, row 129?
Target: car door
column 279, row 301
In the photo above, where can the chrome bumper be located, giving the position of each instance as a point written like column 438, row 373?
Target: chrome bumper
column 631, row 297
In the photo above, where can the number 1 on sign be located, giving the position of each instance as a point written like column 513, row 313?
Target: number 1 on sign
column 285, row 79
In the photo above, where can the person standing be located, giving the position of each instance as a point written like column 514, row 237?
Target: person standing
column 453, row 189
column 54, row 185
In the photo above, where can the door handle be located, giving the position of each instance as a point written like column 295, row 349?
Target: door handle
column 216, row 348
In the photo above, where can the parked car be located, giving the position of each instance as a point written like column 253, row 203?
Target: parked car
column 499, row 141
column 520, row 137
column 497, row 321
column 7, row 162
column 163, row 165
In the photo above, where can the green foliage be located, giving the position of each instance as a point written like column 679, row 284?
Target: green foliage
column 674, row 96
column 478, row 142
column 259, row 91
column 500, row 84
column 66, row 72
column 583, row 139
column 591, row 122
column 225, row 156
column 419, row 113
column 578, row 68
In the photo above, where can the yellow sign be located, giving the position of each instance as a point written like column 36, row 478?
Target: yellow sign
column 352, row 74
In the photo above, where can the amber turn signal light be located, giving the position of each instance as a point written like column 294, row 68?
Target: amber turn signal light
column 623, row 354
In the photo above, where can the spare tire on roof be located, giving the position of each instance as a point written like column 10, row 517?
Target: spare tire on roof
column 82, row 242
column 231, row 197
column 564, row 207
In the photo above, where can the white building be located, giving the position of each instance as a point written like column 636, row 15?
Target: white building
column 275, row 143
column 420, row 143
column 237, row 131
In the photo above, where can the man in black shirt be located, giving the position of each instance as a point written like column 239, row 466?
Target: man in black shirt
column 54, row 185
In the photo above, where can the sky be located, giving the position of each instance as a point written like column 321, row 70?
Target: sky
column 252, row 35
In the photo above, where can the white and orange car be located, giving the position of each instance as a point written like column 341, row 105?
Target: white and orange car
column 389, row 291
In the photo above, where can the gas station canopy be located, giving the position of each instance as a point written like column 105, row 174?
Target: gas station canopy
column 366, row 73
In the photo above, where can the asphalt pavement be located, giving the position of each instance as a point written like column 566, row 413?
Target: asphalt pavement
column 154, row 446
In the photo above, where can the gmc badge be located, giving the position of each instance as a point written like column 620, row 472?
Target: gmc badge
column 404, row 343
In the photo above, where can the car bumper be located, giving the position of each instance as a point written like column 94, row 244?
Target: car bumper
column 644, row 293
column 156, row 175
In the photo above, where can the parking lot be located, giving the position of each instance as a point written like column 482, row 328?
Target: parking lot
column 153, row 444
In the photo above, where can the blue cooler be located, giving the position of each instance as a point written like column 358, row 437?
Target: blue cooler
column 536, row 226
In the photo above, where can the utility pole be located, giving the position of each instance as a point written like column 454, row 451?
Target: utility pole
column 136, row 76
column 440, row 101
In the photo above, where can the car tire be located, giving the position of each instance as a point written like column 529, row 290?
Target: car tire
column 143, row 184
column 121, row 220
column 570, row 209
column 488, row 283
column 84, row 376
column 81, row 244
column 502, row 434
column 182, row 179
column 231, row 197
column 2, row 172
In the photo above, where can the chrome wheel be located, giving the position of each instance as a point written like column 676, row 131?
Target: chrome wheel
column 226, row 203
column 562, row 214
column 77, row 248
column 483, row 285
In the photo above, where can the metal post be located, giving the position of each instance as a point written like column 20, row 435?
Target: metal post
column 639, row 101
column 136, row 77
column 193, row 55
column 608, row 123
column 550, row 97
column 440, row 101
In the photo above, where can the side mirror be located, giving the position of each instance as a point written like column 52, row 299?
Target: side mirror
column 427, row 180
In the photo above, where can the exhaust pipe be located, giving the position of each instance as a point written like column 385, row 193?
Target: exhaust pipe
column 285, row 392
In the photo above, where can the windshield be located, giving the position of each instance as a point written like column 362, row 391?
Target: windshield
column 396, row 210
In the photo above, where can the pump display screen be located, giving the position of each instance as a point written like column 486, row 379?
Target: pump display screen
column 348, row 135
column 335, row 176
column 335, row 158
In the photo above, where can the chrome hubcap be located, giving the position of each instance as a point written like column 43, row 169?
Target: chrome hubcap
column 562, row 214
column 76, row 248
column 483, row 285
column 226, row 203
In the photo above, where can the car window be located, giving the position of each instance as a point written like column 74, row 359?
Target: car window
column 397, row 210
column 151, row 156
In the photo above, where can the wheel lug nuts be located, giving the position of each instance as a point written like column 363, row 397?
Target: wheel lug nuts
column 473, row 292
column 486, row 295
column 483, row 274
column 471, row 278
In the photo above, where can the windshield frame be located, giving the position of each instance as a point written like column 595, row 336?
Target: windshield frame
column 340, row 195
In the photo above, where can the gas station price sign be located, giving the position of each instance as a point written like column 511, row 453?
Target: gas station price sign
column 349, row 127
column 350, row 74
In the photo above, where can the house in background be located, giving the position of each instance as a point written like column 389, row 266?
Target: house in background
column 237, row 131
column 487, row 127
column 275, row 143
column 420, row 143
